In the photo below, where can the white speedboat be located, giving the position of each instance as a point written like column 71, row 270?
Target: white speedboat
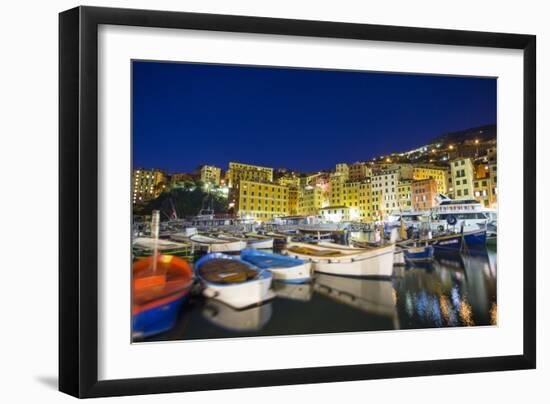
column 347, row 261
column 233, row 281
column 213, row 244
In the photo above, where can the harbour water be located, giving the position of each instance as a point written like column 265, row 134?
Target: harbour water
column 455, row 290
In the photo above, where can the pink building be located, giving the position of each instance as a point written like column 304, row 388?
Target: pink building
column 423, row 194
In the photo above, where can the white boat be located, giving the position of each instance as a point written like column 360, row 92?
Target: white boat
column 283, row 268
column 348, row 261
column 449, row 214
column 260, row 243
column 212, row 244
column 162, row 244
column 252, row 242
column 237, row 294
column 252, row 319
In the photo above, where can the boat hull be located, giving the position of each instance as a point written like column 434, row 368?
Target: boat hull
column 419, row 254
column 157, row 319
column 261, row 243
column 237, row 295
column 476, row 238
column 282, row 268
column 376, row 262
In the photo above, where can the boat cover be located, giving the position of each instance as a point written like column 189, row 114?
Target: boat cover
column 266, row 260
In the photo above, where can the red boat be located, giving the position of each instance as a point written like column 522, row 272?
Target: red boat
column 158, row 293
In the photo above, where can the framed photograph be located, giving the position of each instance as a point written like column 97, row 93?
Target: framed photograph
column 251, row 201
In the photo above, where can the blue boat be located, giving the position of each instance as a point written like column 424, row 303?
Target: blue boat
column 452, row 242
column 283, row 268
column 476, row 238
column 156, row 320
column 423, row 253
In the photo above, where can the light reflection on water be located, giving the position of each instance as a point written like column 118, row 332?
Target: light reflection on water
column 454, row 290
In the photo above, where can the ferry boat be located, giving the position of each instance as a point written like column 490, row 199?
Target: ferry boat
column 467, row 214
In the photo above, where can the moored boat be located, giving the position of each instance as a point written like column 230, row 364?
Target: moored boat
column 231, row 280
column 252, row 242
column 143, row 247
column 476, row 238
column 283, row 268
column 422, row 253
column 347, row 261
column 213, row 244
column 158, row 291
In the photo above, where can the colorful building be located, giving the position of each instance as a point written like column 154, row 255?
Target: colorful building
column 310, row 201
column 147, row 184
column 439, row 174
column 384, row 193
column 404, row 194
column 240, row 171
column 462, row 173
column 424, row 194
column 210, row 174
column 261, row 201
column 359, row 171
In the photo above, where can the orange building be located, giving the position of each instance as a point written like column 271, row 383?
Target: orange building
column 424, row 193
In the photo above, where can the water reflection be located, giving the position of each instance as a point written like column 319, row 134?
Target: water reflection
column 454, row 290
column 372, row 296
column 221, row 315
column 301, row 292
column 457, row 290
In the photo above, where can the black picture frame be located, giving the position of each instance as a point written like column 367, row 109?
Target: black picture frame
column 78, row 200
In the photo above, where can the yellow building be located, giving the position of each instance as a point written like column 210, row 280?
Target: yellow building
column 359, row 171
column 147, row 184
column 493, row 178
column 210, row 174
column 462, row 173
column 240, row 171
column 385, row 193
column 289, row 181
column 439, row 174
column 355, row 195
column 292, row 201
column 482, row 191
column 261, row 201
column 310, row 201
column 343, row 170
column 404, row 194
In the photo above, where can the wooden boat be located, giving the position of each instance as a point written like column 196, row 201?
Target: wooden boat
column 422, row 253
column 213, row 244
column 143, row 247
column 223, row 316
column 233, row 281
column 158, row 292
column 283, row 268
column 347, row 261
column 252, row 242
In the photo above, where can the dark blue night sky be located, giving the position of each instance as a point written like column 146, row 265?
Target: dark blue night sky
column 185, row 115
